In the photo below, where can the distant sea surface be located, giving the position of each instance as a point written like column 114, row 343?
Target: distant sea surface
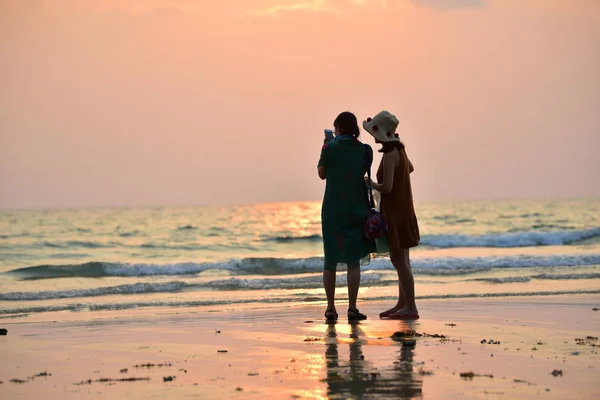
column 86, row 260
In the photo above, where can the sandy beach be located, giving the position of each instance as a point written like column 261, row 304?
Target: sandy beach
column 289, row 352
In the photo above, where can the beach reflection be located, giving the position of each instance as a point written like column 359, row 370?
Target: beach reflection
column 358, row 378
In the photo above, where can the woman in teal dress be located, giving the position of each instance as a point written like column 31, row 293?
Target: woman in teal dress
column 343, row 164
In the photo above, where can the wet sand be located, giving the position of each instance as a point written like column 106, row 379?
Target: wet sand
column 284, row 353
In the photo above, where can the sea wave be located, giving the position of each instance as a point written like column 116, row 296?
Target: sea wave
column 187, row 228
column 524, row 279
column 441, row 266
column 496, row 240
column 77, row 307
column 77, row 243
column 291, row 239
column 514, row 239
column 136, row 288
column 235, row 283
column 306, row 282
column 14, row 235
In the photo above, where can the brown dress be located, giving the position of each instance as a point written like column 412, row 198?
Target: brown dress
column 397, row 207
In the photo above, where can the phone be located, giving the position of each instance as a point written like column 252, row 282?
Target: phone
column 328, row 135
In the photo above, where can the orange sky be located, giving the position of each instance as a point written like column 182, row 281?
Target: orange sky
column 115, row 102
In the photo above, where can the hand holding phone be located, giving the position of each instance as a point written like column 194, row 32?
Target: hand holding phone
column 328, row 135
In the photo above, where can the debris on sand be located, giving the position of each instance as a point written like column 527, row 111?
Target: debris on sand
column 432, row 335
column 123, row 371
column 471, row 375
column 253, row 374
column 491, row 341
column 3, row 332
column 522, row 381
column 587, row 341
column 222, row 351
column 595, row 309
column 45, row 373
column 308, row 322
column 312, row 339
column 425, row 372
column 30, row 378
column 169, row 378
column 151, row 365
column 557, row 372
column 238, row 389
column 401, row 335
column 108, row 380
column 452, row 325
column 102, row 380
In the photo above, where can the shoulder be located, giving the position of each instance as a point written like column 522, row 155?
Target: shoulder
column 392, row 155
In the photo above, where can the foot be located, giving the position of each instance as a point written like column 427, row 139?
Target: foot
column 405, row 313
column 392, row 310
column 355, row 315
column 331, row 315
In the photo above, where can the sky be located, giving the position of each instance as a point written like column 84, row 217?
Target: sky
column 172, row 102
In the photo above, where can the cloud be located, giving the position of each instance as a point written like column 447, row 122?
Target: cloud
column 450, row 4
column 141, row 7
column 307, row 6
column 315, row 6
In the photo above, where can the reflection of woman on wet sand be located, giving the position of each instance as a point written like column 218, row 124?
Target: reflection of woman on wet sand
column 358, row 378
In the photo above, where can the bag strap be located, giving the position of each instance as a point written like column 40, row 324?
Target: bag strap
column 369, row 160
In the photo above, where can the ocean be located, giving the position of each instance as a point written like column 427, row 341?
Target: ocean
column 270, row 255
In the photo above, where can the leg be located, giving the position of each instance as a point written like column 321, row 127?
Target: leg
column 329, row 284
column 396, row 261
column 353, row 283
column 407, row 283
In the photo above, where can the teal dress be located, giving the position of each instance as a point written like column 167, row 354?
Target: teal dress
column 345, row 203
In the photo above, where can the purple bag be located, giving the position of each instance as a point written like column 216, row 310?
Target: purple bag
column 376, row 225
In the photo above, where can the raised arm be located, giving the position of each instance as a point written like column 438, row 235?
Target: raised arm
column 322, row 165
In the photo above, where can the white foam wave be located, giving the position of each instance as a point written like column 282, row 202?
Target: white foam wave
column 524, row 279
column 136, row 288
column 77, row 307
column 280, row 266
column 307, row 282
column 516, row 239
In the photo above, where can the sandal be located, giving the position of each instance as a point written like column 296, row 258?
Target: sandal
column 355, row 315
column 331, row 315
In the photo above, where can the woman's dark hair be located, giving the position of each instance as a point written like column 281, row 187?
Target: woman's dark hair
column 386, row 147
column 347, row 124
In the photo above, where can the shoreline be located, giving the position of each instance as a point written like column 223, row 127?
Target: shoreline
column 277, row 352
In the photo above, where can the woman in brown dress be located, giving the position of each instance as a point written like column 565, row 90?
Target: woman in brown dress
column 393, row 178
